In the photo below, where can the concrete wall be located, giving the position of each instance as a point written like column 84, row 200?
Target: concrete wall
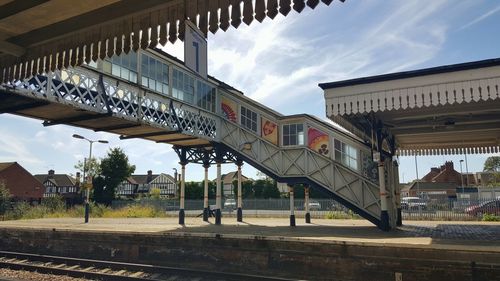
column 313, row 260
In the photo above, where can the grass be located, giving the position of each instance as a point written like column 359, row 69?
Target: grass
column 25, row 211
column 336, row 215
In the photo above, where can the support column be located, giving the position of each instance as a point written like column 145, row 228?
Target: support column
column 292, row 206
column 306, row 204
column 399, row 218
column 218, row 213
column 384, row 215
column 239, row 215
column 205, row 193
column 183, row 188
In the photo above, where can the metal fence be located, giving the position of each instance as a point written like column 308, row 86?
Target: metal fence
column 451, row 209
column 444, row 209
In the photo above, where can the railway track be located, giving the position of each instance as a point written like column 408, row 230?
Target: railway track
column 111, row 271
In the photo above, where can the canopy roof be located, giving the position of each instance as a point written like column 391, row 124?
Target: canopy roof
column 41, row 35
column 452, row 109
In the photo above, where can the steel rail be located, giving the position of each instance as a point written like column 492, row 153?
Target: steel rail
column 111, row 270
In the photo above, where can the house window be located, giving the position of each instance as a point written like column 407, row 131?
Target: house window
column 183, row 86
column 124, row 66
column 293, row 134
column 206, row 96
column 248, row 119
column 346, row 154
column 154, row 74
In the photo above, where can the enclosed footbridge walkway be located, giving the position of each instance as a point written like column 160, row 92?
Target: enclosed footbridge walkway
column 201, row 116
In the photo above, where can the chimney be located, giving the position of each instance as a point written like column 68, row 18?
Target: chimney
column 78, row 178
column 150, row 176
column 51, row 174
column 448, row 165
column 436, row 170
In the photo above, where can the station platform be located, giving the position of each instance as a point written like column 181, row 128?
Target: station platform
column 451, row 249
column 433, row 234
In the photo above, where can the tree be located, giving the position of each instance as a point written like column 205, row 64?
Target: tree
column 246, row 189
column 115, row 168
column 5, row 197
column 92, row 167
column 194, row 190
column 266, row 188
column 492, row 164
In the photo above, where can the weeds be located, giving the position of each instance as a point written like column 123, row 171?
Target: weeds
column 335, row 215
column 490, row 217
column 52, row 209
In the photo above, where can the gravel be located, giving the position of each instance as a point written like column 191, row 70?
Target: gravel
column 21, row 275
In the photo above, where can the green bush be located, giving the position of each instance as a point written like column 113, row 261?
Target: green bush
column 335, row 215
column 54, row 204
column 23, row 210
column 490, row 217
column 4, row 199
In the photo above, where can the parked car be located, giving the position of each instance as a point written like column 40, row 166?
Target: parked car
column 489, row 207
column 314, row 205
column 413, row 204
column 230, row 204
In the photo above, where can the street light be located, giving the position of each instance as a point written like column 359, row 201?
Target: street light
column 87, row 200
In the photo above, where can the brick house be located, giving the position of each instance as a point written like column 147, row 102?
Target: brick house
column 21, row 184
column 60, row 184
column 439, row 182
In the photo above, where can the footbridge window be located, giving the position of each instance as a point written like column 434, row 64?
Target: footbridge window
column 249, row 119
column 293, row 134
column 205, row 95
column 346, row 154
column 154, row 74
column 183, row 86
column 124, row 66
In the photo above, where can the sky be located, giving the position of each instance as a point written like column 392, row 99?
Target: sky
column 280, row 63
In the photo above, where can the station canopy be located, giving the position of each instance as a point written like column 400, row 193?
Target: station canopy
column 453, row 109
column 37, row 36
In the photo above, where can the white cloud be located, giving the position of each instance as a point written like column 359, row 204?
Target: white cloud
column 13, row 148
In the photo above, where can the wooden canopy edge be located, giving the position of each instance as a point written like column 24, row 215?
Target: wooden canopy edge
column 155, row 25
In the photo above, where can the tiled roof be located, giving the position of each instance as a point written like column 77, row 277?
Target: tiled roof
column 57, row 179
column 433, row 185
column 231, row 176
column 143, row 179
column 5, row 165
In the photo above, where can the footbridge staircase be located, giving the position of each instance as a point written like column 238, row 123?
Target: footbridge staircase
column 216, row 116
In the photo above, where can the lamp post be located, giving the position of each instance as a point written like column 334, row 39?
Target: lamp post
column 461, row 178
column 87, row 200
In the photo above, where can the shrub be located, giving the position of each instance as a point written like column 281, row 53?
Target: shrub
column 4, row 199
column 155, row 193
column 488, row 217
column 336, row 215
column 54, row 204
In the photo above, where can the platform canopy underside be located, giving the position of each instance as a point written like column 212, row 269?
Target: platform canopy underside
column 445, row 110
column 39, row 36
